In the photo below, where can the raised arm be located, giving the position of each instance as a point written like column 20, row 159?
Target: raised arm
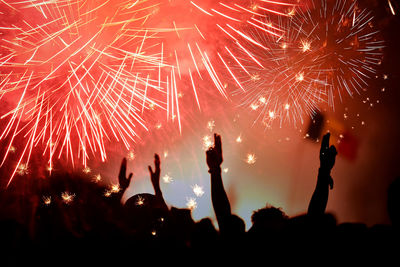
column 327, row 158
column 220, row 201
column 155, row 180
column 122, row 179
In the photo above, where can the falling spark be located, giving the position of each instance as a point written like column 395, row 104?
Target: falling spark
column 300, row 77
column 86, row 170
column 23, row 169
column 131, row 155
column 191, row 203
column 251, row 159
column 211, row 125
column 158, row 125
column 46, row 200
column 254, row 106
column 207, row 142
column 67, row 197
column 167, row 179
column 226, row 170
column 239, row 139
column 140, row 201
column 305, row 46
column 97, row 178
column 271, row 114
column 115, row 188
column 198, row 190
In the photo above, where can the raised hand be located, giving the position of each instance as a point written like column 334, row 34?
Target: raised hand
column 122, row 179
column 155, row 175
column 327, row 157
column 155, row 180
column 214, row 154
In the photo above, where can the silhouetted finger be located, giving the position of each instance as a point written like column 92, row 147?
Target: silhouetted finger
column 122, row 171
column 325, row 141
column 218, row 143
column 157, row 162
column 332, row 150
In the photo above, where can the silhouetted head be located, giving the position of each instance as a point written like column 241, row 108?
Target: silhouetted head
column 235, row 225
column 393, row 202
column 144, row 212
column 268, row 218
column 204, row 234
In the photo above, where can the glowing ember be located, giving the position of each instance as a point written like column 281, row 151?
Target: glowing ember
column 211, row 125
column 23, row 169
column 198, row 190
column 191, row 203
column 115, row 188
column 207, row 142
column 140, row 201
column 97, row 178
column 251, row 159
column 46, row 200
column 67, row 197
column 86, row 170
column 167, row 179
column 131, row 155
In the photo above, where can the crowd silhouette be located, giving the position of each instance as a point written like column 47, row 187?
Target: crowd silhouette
column 69, row 219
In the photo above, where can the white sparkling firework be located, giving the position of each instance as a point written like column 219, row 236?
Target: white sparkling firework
column 198, row 190
column 191, row 203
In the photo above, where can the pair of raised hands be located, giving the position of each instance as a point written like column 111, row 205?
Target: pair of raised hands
column 327, row 155
column 154, row 175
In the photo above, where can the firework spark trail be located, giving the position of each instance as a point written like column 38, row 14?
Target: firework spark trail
column 320, row 53
column 232, row 16
column 194, row 47
column 82, row 73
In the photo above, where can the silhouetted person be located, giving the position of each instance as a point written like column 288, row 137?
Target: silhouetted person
column 122, row 179
column 393, row 203
column 146, row 213
column 267, row 228
column 230, row 226
column 319, row 199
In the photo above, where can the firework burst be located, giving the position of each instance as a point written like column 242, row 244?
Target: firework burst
column 323, row 51
column 76, row 74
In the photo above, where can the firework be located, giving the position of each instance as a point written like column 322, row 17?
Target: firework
column 197, row 50
column 140, row 201
column 67, row 197
column 23, row 169
column 191, row 203
column 46, row 200
column 115, row 188
column 251, row 159
column 323, row 51
column 207, row 142
column 198, row 190
column 76, row 74
column 97, row 178
column 167, row 179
